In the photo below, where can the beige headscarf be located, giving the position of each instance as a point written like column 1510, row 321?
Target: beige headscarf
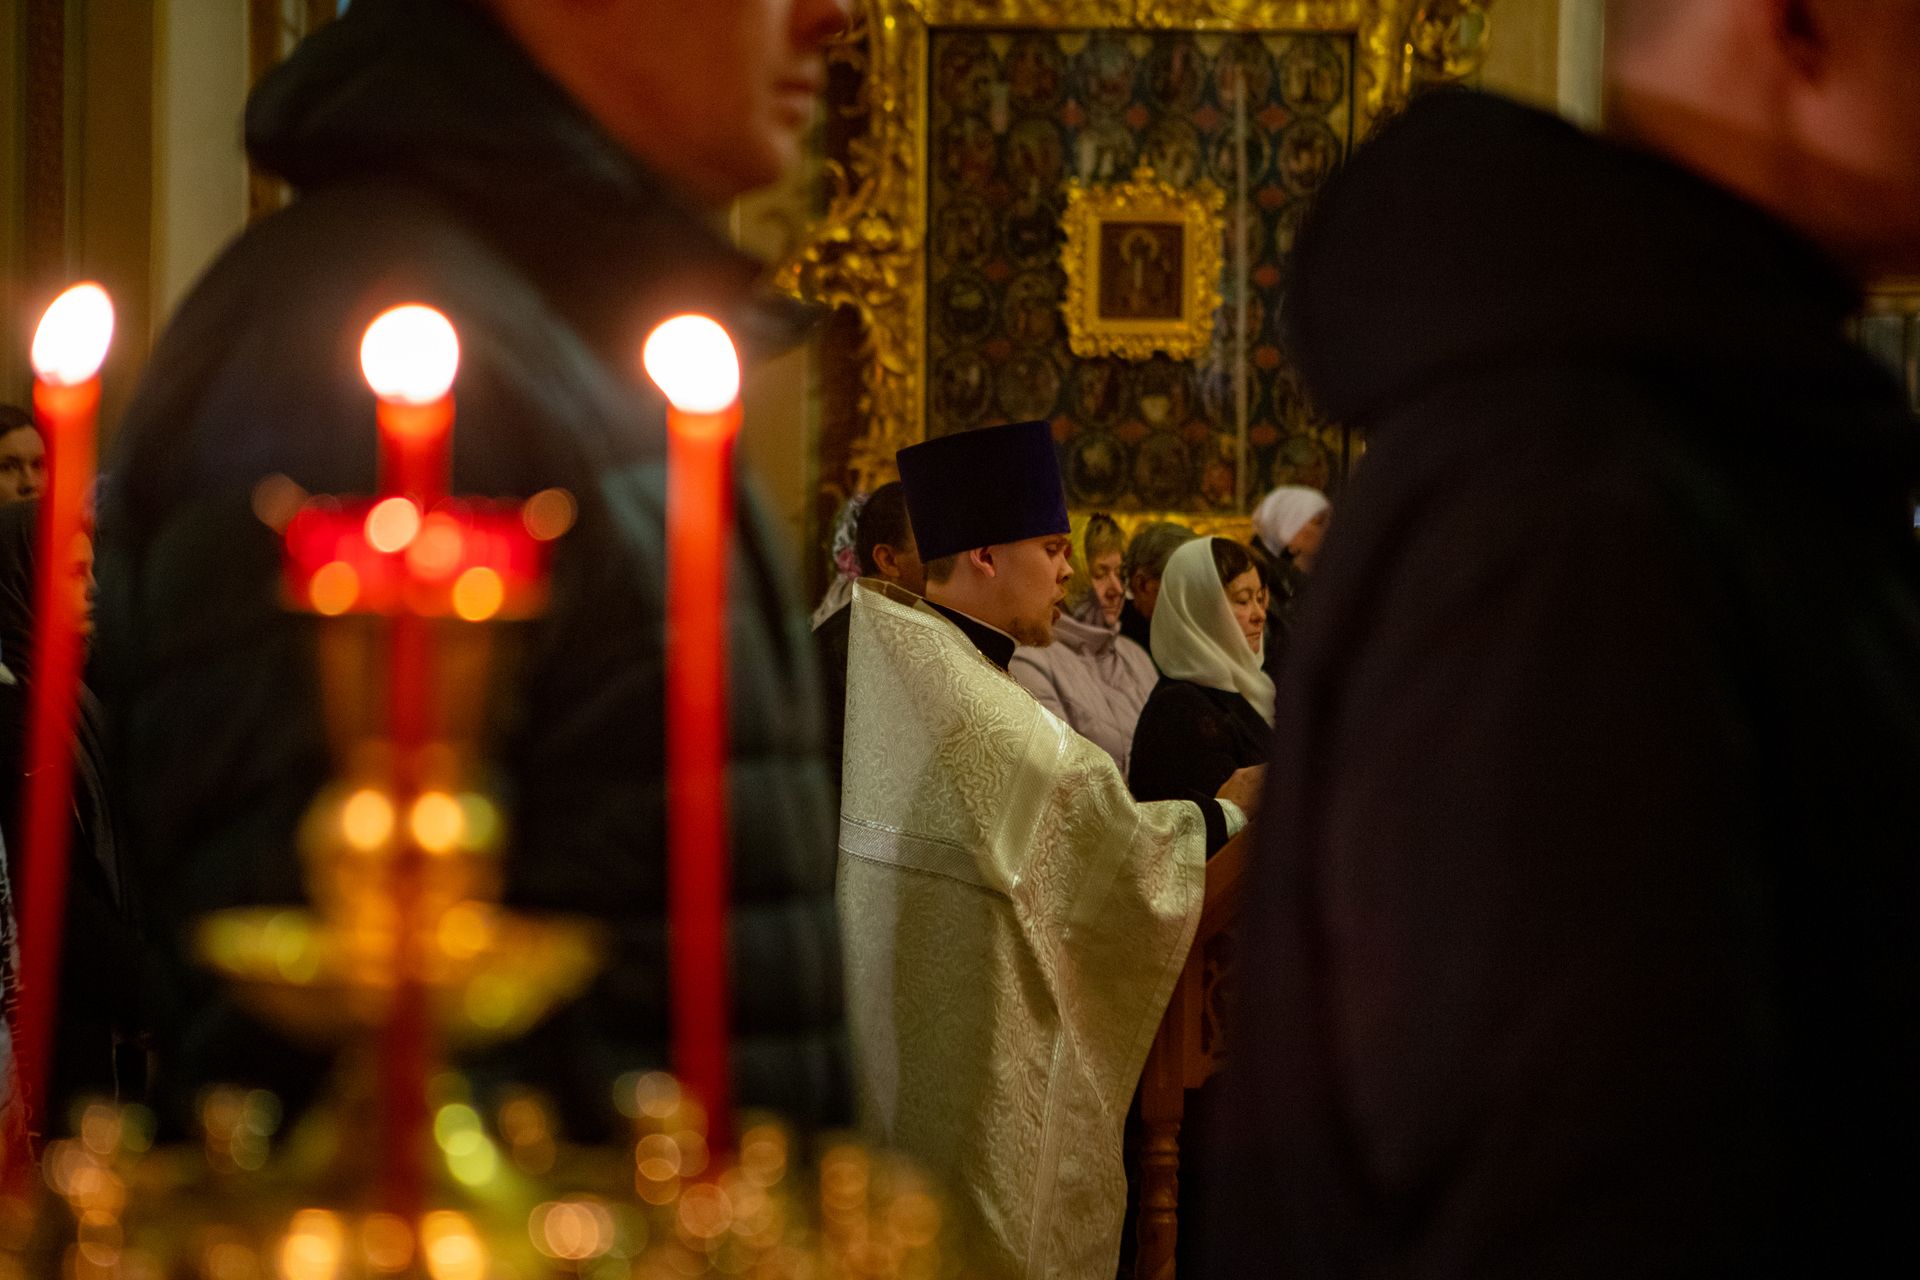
column 1194, row 635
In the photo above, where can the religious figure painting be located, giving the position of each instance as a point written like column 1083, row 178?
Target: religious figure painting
column 1142, row 260
column 1140, row 270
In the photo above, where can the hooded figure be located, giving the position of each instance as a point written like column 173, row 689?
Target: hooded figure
column 105, row 971
column 435, row 161
column 1212, row 712
column 1581, row 940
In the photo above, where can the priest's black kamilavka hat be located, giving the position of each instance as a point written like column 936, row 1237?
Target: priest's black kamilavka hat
column 983, row 487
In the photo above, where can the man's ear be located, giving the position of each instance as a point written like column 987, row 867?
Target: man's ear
column 982, row 559
column 887, row 561
column 1801, row 31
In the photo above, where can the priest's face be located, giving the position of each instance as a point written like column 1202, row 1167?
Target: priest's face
column 1030, row 580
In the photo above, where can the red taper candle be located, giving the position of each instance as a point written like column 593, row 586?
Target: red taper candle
column 693, row 362
column 68, row 349
column 409, row 355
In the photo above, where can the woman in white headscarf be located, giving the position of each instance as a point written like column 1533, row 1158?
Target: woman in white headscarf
column 1212, row 712
column 1287, row 528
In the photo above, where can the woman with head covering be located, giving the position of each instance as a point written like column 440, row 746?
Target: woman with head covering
column 1091, row 676
column 1212, row 712
column 843, row 561
column 103, row 966
column 1288, row 526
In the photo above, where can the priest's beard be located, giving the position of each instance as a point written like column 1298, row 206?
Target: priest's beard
column 1035, row 633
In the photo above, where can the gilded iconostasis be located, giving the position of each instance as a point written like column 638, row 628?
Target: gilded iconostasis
column 1015, row 118
column 1082, row 211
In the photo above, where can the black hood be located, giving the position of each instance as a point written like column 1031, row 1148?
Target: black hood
column 1473, row 230
column 436, row 96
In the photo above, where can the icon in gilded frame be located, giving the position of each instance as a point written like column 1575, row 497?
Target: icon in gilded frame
column 1142, row 260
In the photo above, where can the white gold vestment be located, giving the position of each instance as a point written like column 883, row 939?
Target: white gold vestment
column 1014, row 923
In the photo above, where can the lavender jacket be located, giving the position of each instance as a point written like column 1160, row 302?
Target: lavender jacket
column 1093, row 678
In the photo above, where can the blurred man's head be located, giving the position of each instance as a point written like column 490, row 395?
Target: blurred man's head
column 883, row 540
column 23, row 456
column 1809, row 108
column 1146, row 561
column 715, row 95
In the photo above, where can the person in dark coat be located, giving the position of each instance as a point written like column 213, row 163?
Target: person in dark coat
column 1581, row 941
column 101, row 1016
column 1145, row 560
column 1212, row 712
column 883, row 544
column 546, row 176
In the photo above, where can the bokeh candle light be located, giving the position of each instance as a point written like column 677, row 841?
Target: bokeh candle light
column 693, row 362
column 68, row 350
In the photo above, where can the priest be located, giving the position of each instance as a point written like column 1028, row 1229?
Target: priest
column 1014, row 921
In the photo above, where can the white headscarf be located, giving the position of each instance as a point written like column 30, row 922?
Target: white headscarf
column 1195, row 636
column 1284, row 513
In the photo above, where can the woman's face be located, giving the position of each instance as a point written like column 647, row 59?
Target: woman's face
column 80, row 582
column 1249, row 606
column 1306, row 543
column 1108, row 589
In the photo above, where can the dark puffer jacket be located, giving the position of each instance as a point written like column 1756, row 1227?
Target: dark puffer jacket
column 434, row 162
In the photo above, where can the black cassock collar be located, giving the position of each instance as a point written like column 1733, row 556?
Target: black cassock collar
column 996, row 645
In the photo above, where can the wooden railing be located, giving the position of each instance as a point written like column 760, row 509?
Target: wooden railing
column 1187, row 1051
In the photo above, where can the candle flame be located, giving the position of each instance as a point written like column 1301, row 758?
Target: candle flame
column 693, row 362
column 410, row 354
column 71, row 343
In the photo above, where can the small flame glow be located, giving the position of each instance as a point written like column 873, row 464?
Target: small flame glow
column 71, row 343
column 693, row 362
column 410, row 354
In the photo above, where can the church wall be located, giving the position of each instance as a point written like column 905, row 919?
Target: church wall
column 13, row 212
column 200, row 169
column 110, row 203
column 1523, row 53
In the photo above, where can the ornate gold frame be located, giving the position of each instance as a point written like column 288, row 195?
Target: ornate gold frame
column 1143, row 198
column 868, row 252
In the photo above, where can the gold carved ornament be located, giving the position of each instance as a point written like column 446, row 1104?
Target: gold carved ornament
column 868, row 252
column 1145, row 201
